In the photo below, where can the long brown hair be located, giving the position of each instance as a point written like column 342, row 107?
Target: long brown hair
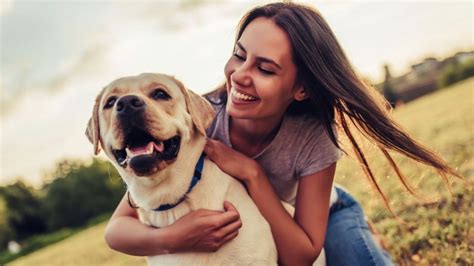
column 337, row 94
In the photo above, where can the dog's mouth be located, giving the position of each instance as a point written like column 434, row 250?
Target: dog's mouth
column 143, row 152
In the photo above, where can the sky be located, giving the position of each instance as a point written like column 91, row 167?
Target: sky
column 55, row 56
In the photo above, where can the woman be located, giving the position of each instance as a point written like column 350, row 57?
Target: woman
column 288, row 84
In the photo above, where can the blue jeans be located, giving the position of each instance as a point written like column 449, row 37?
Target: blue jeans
column 348, row 238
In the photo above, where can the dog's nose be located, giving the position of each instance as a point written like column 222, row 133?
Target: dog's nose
column 130, row 104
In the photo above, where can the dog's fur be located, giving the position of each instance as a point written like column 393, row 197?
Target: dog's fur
column 185, row 114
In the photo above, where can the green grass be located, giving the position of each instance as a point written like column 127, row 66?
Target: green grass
column 85, row 248
column 430, row 233
column 40, row 241
column 37, row 242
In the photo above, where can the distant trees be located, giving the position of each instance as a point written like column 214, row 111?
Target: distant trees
column 81, row 192
column 455, row 72
column 77, row 193
column 6, row 232
column 26, row 213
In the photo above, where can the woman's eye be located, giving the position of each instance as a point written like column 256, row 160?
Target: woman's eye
column 110, row 102
column 266, row 72
column 159, row 94
column 241, row 58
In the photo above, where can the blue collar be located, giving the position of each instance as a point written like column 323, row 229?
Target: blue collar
column 194, row 181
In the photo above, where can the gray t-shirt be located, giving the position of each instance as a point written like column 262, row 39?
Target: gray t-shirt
column 301, row 147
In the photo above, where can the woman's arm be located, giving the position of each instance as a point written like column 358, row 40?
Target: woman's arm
column 200, row 230
column 300, row 239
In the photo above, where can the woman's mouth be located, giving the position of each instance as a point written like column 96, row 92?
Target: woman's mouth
column 240, row 97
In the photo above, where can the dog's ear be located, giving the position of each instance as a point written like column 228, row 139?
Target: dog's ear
column 199, row 108
column 92, row 130
column 201, row 111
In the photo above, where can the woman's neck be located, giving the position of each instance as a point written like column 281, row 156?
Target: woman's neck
column 251, row 136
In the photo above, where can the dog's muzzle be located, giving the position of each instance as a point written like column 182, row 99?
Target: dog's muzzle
column 142, row 151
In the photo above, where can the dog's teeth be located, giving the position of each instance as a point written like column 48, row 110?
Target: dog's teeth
column 132, row 152
column 124, row 161
column 160, row 147
column 149, row 149
column 129, row 152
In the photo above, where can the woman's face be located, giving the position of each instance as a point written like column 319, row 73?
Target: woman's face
column 261, row 74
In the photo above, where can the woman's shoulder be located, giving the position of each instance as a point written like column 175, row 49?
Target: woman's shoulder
column 303, row 126
column 308, row 133
column 311, row 144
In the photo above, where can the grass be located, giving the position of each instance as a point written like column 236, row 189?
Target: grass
column 40, row 241
column 429, row 232
column 37, row 242
column 85, row 248
column 426, row 232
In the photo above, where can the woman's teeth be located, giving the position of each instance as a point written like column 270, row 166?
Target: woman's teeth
column 241, row 96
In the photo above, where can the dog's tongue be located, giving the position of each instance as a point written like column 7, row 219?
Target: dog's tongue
column 147, row 149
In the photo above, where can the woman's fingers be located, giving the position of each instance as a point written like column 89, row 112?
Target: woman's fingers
column 207, row 230
column 229, row 237
column 209, row 148
column 205, row 212
column 228, row 206
column 229, row 216
column 230, row 225
column 224, row 234
column 214, row 148
column 232, row 228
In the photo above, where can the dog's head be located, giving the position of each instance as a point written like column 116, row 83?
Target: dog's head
column 142, row 121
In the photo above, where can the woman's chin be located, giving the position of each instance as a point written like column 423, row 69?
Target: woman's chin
column 239, row 113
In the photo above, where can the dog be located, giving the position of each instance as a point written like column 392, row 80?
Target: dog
column 153, row 131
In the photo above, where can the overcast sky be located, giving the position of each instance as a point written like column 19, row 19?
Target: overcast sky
column 57, row 55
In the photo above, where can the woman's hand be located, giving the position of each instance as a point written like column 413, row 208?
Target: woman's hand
column 232, row 162
column 206, row 230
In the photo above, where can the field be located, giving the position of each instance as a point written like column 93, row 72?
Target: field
column 424, row 232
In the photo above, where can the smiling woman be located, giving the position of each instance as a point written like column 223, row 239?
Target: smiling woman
column 288, row 59
column 264, row 74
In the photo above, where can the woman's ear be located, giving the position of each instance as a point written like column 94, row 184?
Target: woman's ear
column 300, row 94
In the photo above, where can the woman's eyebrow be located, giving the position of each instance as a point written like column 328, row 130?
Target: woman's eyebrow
column 260, row 58
column 241, row 47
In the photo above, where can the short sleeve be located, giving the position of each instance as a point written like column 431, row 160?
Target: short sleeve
column 210, row 131
column 318, row 153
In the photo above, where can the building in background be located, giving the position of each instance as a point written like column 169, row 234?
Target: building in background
column 427, row 76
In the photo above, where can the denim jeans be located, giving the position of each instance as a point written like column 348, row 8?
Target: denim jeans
column 348, row 238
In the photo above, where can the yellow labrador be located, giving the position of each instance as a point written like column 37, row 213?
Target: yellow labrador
column 153, row 131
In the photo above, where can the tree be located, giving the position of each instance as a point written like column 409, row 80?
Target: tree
column 6, row 232
column 26, row 213
column 81, row 193
column 387, row 88
column 455, row 72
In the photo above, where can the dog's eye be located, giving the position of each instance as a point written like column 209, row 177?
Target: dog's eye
column 159, row 94
column 110, row 102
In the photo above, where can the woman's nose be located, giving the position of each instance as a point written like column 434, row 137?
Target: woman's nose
column 242, row 75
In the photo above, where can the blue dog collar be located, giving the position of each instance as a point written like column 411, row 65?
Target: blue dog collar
column 194, row 181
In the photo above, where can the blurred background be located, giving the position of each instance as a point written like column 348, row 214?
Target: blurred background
column 57, row 55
